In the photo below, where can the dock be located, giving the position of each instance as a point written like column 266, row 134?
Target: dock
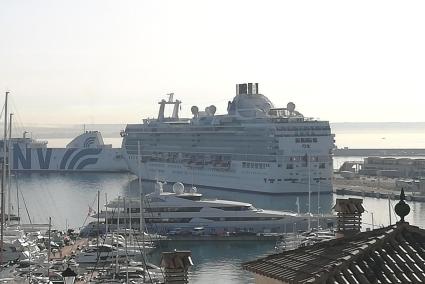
column 351, row 152
column 260, row 237
column 375, row 188
column 378, row 194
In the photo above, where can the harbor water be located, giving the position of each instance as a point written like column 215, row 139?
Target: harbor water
column 69, row 198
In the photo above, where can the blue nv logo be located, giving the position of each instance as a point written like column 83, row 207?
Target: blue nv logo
column 77, row 162
column 18, row 157
column 77, row 158
column 89, row 141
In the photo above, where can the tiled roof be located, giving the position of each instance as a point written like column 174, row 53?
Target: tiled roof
column 395, row 254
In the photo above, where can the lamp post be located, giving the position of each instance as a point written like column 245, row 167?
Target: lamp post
column 69, row 276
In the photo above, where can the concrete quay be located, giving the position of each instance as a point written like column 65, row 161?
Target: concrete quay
column 373, row 187
column 260, row 237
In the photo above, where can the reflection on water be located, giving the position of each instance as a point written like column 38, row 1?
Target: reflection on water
column 64, row 197
column 220, row 262
column 67, row 197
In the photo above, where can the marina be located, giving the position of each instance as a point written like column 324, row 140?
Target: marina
column 209, row 256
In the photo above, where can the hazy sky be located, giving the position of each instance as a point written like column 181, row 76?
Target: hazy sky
column 111, row 61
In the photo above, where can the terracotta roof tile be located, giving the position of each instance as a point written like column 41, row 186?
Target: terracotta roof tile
column 394, row 254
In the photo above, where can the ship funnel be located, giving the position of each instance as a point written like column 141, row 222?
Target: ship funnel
column 247, row 89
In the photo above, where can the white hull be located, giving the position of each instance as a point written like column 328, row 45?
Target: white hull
column 235, row 178
column 68, row 159
column 106, row 256
column 279, row 226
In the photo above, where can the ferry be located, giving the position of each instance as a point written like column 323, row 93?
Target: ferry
column 85, row 153
column 255, row 147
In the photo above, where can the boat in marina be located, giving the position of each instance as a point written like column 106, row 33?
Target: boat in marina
column 105, row 253
column 255, row 146
column 87, row 153
column 187, row 212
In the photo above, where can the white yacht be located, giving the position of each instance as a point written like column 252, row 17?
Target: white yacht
column 255, row 146
column 105, row 253
column 181, row 211
column 86, row 152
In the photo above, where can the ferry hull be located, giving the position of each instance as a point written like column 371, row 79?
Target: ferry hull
column 67, row 159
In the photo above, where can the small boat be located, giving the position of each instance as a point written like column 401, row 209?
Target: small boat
column 104, row 254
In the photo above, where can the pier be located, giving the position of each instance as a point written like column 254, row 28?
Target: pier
column 255, row 237
column 373, row 187
column 407, row 152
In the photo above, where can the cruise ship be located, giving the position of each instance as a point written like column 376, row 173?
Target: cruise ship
column 86, row 152
column 254, row 147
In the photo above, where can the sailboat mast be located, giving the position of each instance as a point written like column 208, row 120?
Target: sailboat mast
column 318, row 206
column 106, row 213
column 3, row 178
column 98, row 221
column 49, row 248
column 309, row 192
column 142, row 219
column 17, row 201
column 9, row 179
column 140, row 188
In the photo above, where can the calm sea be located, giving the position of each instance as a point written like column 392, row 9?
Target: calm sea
column 67, row 198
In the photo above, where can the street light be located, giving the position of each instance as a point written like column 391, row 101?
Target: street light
column 69, row 276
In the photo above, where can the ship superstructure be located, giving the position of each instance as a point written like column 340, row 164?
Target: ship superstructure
column 254, row 147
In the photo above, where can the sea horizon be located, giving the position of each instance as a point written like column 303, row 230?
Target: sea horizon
column 376, row 135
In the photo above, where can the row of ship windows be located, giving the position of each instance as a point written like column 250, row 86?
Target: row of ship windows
column 293, row 180
column 136, row 221
column 291, row 166
column 305, row 140
column 294, row 128
column 250, row 165
column 304, row 158
column 187, row 209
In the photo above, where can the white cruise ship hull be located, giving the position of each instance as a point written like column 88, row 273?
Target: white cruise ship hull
column 236, row 178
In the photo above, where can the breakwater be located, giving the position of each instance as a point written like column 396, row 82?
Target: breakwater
column 378, row 194
column 348, row 152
